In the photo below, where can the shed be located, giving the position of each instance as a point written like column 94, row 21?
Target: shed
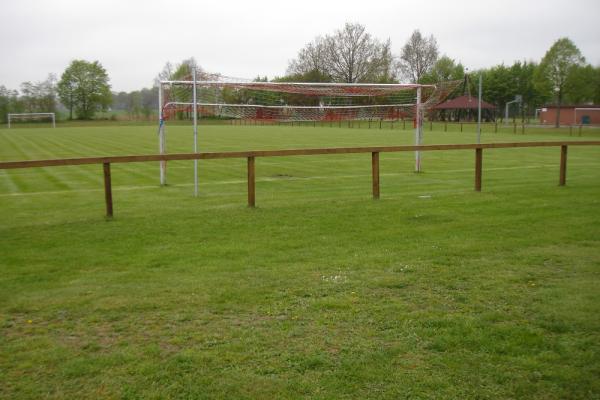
column 465, row 107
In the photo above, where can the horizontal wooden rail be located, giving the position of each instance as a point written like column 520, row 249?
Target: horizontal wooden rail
column 251, row 155
column 283, row 153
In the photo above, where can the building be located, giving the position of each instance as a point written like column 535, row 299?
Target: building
column 464, row 108
column 587, row 114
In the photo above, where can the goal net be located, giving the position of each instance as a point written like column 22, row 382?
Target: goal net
column 280, row 102
column 12, row 117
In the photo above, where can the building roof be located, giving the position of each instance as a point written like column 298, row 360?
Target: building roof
column 463, row 102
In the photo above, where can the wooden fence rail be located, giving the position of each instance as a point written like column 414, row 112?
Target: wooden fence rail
column 251, row 156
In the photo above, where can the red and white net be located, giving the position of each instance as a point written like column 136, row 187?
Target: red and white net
column 286, row 101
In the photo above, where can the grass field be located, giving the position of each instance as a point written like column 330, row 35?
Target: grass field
column 434, row 291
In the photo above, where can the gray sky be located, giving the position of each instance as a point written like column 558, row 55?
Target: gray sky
column 134, row 39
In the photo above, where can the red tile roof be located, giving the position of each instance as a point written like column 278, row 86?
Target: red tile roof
column 464, row 102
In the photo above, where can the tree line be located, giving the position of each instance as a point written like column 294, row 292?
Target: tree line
column 349, row 54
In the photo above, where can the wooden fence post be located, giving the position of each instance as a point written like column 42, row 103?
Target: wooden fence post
column 107, row 190
column 562, row 180
column 478, row 168
column 251, row 183
column 375, row 172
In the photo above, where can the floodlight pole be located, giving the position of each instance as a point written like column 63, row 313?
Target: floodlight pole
column 479, row 112
column 418, row 130
column 195, row 119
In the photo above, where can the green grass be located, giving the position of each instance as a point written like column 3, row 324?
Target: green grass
column 434, row 291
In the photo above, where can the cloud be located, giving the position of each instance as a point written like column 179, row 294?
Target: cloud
column 134, row 39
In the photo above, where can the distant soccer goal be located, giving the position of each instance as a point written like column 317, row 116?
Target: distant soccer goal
column 31, row 116
column 215, row 95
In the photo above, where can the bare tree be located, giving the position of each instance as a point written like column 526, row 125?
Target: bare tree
column 311, row 59
column 39, row 96
column 165, row 74
column 350, row 55
column 418, row 56
column 183, row 70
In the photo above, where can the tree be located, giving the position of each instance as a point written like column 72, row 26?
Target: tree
column 418, row 56
column 84, row 87
column 352, row 55
column 555, row 68
column 522, row 78
column 39, row 96
column 580, row 84
column 349, row 55
column 498, row 85
column 444, row 69
column 311, row 63
column 9, row 102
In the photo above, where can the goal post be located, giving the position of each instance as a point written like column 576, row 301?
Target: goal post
column 281, row 102
column 23, row 116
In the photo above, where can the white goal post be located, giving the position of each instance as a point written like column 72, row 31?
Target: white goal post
column 22, row 116
column 276, row 102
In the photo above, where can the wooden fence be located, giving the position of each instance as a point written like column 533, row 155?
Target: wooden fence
column 407, row 124
column 252, row 155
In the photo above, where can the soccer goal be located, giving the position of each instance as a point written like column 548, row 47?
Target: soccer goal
column 280, row 102
column 31, row 116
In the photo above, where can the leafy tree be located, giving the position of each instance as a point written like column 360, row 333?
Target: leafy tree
column 498, row 87
column 84, row 87
column 9, row 103
column 444, row 69
column 555, row 68
column 418, row 56
column 580, row 86
column 149, row 100
column 522, row 78
column 596, row 85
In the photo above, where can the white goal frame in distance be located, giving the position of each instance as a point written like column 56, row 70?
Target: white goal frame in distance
column 194, row 83
column 19, row 115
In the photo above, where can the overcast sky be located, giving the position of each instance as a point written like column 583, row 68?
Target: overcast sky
column 134, row 39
